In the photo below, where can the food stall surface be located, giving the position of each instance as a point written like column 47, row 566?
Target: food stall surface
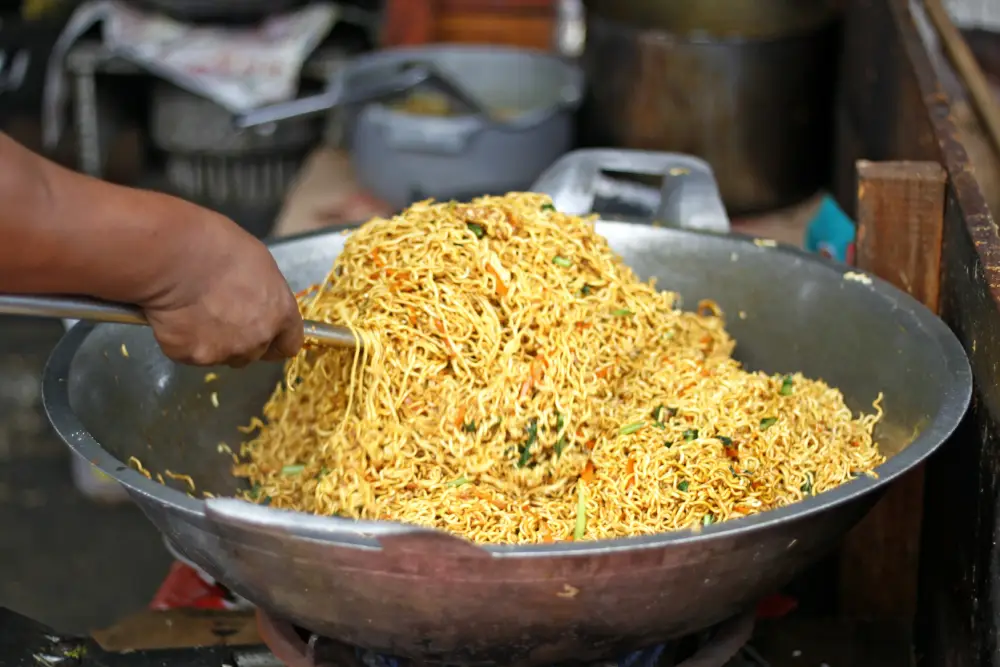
column 66, row 561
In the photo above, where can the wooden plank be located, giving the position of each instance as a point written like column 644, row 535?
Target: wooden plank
column 900, row 225
column 895, row 107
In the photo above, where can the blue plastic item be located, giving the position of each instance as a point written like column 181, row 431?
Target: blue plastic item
column 831, row 233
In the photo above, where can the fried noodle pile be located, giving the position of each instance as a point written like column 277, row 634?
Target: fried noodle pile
column 519, row 384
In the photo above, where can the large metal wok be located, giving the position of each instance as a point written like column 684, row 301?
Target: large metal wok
column 425, row 594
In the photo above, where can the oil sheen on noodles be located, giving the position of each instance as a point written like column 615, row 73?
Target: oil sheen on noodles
column 519, row 384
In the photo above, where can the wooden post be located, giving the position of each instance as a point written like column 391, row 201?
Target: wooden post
column 900, row 226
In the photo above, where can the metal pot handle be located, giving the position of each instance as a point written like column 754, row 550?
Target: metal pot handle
column 257, row 524
column 689, row 197
column 348, row 87
column 342, row 90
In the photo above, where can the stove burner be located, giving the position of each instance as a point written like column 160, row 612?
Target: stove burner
column 714, row 647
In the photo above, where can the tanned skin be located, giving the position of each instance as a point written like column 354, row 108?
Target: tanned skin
column 211, row 291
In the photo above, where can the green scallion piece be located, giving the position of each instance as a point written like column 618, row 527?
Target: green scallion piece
column 683, row 486
column 622, row 312
column 548, row 207
column 690, row 434
column 767, row 422
column 562, row 261
column 476, row 229
column 459, row 482
column 532, row 430
column 629, row 429
column 581, row 512
column 724, row 440
column 470, row 427
column 807, row 486
column 787, row 386
column 707, row 520
column 292, row 470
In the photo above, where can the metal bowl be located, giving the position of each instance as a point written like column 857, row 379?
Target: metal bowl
column 424, row 594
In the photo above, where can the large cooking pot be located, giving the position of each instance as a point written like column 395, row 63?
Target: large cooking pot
column 520, row 121
column 756, row 104
column 421, row 593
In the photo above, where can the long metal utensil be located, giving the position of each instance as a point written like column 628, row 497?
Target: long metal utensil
column 93, row 310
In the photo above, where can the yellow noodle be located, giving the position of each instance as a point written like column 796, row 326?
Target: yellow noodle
column 501, row 323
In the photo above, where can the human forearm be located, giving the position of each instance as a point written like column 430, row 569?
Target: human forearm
column 62, row 232
column 211, row 292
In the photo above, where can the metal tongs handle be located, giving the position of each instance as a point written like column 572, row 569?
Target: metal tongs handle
column 93, row 310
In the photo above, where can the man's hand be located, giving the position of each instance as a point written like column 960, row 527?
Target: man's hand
column 225, row 301
column 211, row 291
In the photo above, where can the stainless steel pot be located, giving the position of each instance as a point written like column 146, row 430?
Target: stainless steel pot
column 742, row 19
column 758, row 109
column 425, row 594
column 529, row 100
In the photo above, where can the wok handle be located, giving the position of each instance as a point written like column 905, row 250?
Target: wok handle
column 689, row 197
column 251, row 523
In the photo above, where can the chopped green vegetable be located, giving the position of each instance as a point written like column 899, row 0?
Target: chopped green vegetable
column 532, row 430
column 586, row 290
column 629, row 429
column 459, row 482
column 323, row 472
column 658, row 412
column 707, row 520
column 254, row 492
column 733, row 470
column 470, row 427
column 562, row 442
column 581, row 512
column 807, row 486
column 724, row 440
column 548, row 207
column 683, row 486
column 622, row 312
column 562, row 261
column 668, row 444
column 476, row 229
column 787, row 386
column 265, row 501
column 767, row 422
column 292, row 469
column 690, row 434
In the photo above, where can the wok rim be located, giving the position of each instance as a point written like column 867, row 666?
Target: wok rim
column 956, row 397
